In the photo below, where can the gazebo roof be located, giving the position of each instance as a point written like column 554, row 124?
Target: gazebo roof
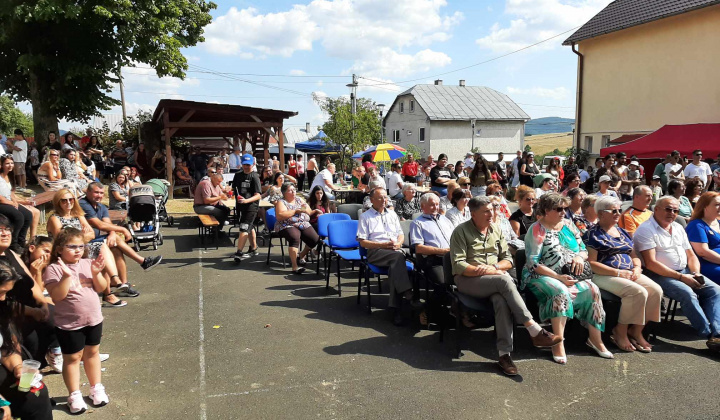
column 202, row 119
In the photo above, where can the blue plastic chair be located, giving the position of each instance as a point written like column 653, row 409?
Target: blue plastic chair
column 270, row 220
column 368, row 268
column 322, row 225
column 343, row 245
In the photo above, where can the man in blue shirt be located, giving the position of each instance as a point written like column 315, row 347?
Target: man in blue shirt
column 98, row 217
column 430, row 235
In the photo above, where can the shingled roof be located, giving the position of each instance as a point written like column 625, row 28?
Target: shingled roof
column 464, row 103
column 623, row 14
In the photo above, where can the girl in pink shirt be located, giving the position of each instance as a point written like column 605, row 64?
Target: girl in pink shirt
column 73, row 283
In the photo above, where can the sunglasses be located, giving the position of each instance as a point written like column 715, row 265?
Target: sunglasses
column 465, row 184
column 613, row 211
column 560, row 209
column 67, row 200
column 54, row 154
column 672, row 210
column 75, row 247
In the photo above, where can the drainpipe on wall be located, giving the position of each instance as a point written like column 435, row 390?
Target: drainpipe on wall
column 578, row 111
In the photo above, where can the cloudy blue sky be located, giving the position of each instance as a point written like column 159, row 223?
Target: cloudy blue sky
column 276, row 54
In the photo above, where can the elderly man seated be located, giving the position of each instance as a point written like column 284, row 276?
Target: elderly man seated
column 480, row 263
column 430, row 235
column 380, row 233
column 209, row 199
column 670, row 261
column 367, row 202
column 639, row 212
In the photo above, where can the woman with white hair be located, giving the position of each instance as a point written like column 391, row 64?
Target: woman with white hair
column 408, row 204
column 618, row 270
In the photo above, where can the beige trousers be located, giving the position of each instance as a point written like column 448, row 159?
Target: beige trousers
column 640, row 299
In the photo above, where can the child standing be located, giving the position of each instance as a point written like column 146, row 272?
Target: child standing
column 73, row 283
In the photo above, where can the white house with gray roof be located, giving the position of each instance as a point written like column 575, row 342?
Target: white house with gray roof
column 439, row 119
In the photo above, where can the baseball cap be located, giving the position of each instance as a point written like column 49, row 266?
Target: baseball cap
column 634, row 162
column 656, row 178
column 247, row 159
column 604, row 178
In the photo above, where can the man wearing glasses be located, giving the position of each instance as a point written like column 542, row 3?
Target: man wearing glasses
column 698, row 169
column 669, row 260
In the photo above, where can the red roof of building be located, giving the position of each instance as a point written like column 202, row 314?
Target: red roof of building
column 683, row 138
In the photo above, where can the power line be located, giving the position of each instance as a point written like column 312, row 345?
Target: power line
column 254, row 82
column 472, row 65
column 209, row 71
column 216, row 96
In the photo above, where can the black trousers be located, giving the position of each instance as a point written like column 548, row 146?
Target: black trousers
column 20, row 218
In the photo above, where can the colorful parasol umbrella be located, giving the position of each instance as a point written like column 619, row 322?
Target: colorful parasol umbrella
column 360, row 154
column 387, row 152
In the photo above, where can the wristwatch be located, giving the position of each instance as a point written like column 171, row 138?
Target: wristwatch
column 497, row 267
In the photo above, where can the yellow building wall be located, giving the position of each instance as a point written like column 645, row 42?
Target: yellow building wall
column 663, row 72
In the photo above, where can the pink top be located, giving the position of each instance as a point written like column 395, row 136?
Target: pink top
column 204, row 190
column 81, row 307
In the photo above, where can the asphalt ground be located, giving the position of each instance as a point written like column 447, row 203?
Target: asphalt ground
column 207, row 339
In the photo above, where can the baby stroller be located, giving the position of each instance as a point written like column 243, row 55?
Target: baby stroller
column 161, row 189
column 143, row 219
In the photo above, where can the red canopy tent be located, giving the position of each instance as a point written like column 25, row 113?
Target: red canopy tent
column 683, row 138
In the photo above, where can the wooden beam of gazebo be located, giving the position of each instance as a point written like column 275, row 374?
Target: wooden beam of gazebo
column 177, row 118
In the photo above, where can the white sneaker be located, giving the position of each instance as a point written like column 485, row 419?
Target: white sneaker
column 76, row 404
column 98, row 396
column 103, row 357
column 55, row 361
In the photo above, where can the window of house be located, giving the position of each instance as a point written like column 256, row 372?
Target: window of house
column 421, row 134
column 606, row 141
column 589, row 143
column 396, row 136
column 412, row 106
column 402, row 107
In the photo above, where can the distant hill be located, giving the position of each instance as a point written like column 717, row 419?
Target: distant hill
column 548, row 125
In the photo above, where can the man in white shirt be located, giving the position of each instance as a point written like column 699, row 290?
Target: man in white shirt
column 674, row 169
column 19, row 152
column 325, row 180
column 699, row 169
column 515, row 169
column 379, row 232
column 375, row 176
column 235, row 161
column 395, row 182
column 669, row 260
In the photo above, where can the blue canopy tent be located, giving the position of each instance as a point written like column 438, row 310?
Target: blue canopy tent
column 318, row 144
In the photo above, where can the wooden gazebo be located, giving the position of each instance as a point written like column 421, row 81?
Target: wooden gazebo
column 177, row 118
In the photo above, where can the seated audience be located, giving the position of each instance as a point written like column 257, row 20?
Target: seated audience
column 546, row 184
column 670, row 261
column 324, row 179
column 21, row 216
column 319, row 204
column 445, row 203
column 494, row 189
column 576, row 197
column 395, row 182
column 459, row 212
column 604, row 187
column 676, row 188
column 408, row 204
column 524, row 216
column 703, row 233
column 693, row 190
column 209, row 199
column 481, row 260
column 379, row 231
column 499, row 220
column 639, row 212
column 589, row 216
column 50, row 176
column 274, row 192
column 430, row 235
column 118, row 191
column 557, row 273
column 70, row 171
column 367, row 202
column 293, row 224
column 182, row 175
column 440, row 176
column 618, row 270
column 572, row 180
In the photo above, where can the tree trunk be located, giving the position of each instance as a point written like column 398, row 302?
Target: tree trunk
column 44, row 119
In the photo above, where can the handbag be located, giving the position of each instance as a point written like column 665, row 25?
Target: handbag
column 586, row 274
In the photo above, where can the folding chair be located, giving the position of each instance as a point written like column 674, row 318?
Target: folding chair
column 343, row 244
column 368, row 268
column 270, row 220
column 322, row 224
column 350, row 209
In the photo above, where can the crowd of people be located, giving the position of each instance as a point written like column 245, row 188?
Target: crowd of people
column 50, row 310
column 575, row 232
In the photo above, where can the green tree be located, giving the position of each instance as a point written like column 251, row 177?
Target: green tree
column 11, row 117
column 339, row 127
column 64, row 56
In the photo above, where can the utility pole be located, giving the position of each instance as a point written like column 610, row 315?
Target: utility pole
column 472, row 125
column 122, row 96
column 353, row 104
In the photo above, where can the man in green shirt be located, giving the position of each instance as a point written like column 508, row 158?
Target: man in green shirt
column 660, row 170
column 481, row 260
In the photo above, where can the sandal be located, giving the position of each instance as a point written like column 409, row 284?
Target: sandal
column 299, row 271
column 118, row 304
column 625, row 349
column 301, row 262
column 639, row 347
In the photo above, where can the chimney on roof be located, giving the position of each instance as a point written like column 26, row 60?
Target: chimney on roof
column 307, row 127
column 438, row 82
column 462, row 82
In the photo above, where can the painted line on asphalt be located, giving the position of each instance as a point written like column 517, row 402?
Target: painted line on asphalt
column 201, row 342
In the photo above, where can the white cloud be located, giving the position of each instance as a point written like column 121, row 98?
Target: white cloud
column 347, row 29
column 558, row 93
column 143, row 79
column 536, row 20
column 297, row 72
